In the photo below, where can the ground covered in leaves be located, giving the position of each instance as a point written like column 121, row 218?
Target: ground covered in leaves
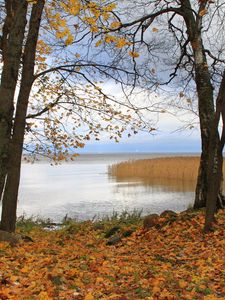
column 173, row 261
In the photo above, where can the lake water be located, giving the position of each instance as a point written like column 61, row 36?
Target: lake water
column 83, row 190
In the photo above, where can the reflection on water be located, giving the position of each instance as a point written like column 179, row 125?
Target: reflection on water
column 170, row 185
column 158, row 184
column 84, row 190
column 152, row 199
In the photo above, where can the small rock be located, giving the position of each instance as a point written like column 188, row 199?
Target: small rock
column 111, row 231
column 168, row 213
column 98, row 226
column 150, row 221
column 27, row 238
column 114, row 240
column 127, row 233
column 56, row 280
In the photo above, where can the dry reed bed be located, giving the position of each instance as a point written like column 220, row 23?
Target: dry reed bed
column 173, row 168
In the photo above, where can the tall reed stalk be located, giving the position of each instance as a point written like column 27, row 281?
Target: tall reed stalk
column 172, row 173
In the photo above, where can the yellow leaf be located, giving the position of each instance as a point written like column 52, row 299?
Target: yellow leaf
column 210, row 297
column 134, row 54
column 110, row 38
column 202, row 286
column 182, row 284
column 105, row 16
column 94, row 29
column 98, row 43
column 90, row 20
column 115, row 25
column 69, row 40
column 109, row 7
column 59, row 34
column 75, row 8
column 89, row 297
column 44, row 296
column 99, row 279
column 24, row 270
column 154, row 29
column 13, row 278
column 156, row 289
column 203, row 12
column 121, row 42
column 165, row 294
column 95, row 11
column 62, row 22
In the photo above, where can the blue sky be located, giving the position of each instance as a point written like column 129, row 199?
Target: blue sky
column 162, row 141
column 169, row 137
column 155, row 145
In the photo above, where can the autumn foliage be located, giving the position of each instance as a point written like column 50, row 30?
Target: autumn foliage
column 173, row 260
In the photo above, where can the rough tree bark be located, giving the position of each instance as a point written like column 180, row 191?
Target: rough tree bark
column 215, row 165
column 9, row 205
column 205, row 101
column 12, row 43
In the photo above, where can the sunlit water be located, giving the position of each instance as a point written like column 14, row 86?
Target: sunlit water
column 83, row 190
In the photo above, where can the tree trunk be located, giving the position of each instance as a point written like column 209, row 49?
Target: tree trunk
column 201, row 185
column 13, row 35
column 9, row 205
column 205, row 99
column 214, row 177
column 209, row 157
column 206, row 113
column 215, row 165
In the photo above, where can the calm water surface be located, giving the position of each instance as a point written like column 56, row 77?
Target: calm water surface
column 83, row 190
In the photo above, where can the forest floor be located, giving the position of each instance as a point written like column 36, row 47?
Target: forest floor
column 173, row 260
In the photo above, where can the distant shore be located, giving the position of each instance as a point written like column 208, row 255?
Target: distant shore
column 121, row 156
